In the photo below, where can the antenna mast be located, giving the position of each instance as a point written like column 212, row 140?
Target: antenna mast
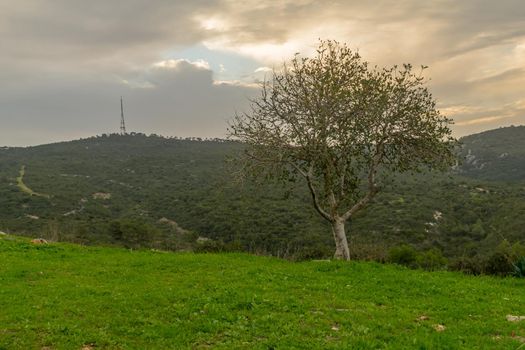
column 122, row 122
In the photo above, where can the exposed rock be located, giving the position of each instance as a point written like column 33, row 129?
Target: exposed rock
column 512, row 318
column 173, row 224
column 439, row 327
column 469, row 158
column 482, row 190
column 168, row 222
column 102, row 195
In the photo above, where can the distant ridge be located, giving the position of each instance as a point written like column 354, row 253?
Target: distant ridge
column 495, row 155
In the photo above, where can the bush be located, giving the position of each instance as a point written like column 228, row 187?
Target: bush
column 404, row 255
column 407, row 255
column 499, row 264
column 519, row 268
column 133, row 233
column 469, row 265
column 518, row 251
column 316, row 251
column 368, row 252
column 208, row 245
column 432, row 260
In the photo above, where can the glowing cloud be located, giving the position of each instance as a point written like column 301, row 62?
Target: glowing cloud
column 174, row 64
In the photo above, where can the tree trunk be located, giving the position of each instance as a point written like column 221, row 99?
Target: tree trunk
column 341, row 244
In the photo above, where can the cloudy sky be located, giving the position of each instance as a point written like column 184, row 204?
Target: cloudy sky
column 184, row 67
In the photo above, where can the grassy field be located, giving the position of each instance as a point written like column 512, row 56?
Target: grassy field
column 61, row 296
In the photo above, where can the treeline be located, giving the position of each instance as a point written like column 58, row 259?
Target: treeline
column 504, row 260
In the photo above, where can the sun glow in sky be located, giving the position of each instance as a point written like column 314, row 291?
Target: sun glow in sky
column 185, row 67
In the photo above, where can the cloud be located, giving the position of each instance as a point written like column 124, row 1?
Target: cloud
column 177, row 64
column 483, row 120
column 475, row 118
column 175, row 98
column 64, row 63
column 263, row 70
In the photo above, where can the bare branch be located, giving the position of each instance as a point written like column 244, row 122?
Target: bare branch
column 313, row 192
column 372, row 185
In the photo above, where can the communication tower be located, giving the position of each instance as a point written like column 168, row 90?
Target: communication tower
column 122, row 122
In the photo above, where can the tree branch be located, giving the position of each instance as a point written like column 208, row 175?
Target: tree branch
column 372, row 186
column 317, row 206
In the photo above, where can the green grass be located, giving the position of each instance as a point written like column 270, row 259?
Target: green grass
column 24, row 188
column 62, row 296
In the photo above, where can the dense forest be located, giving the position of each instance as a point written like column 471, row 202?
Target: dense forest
column 184, row 194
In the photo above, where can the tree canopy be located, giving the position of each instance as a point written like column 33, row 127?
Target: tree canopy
column 343, row 126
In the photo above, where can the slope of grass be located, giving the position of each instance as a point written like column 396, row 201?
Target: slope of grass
column 61, row 296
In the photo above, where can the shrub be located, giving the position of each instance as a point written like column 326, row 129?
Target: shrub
column 316, row 251
column 518, row 251
column 519, row 268
column 208, row 245
column 499, row 263
column 469, row 265
column 403, row 255
column 432, row 260
column 133, row 233
column 368, row 252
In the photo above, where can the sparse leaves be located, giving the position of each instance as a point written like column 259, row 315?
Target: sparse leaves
column 343, row 126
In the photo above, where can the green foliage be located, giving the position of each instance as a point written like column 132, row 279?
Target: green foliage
column 519, row 268
column 342, row 127
column 407, row 255
column 189, row 183
column 63, row 296
column 403, row 255
column 496, row 155
column 369, row 252
column 318, row 251
column 517, row 251
column 468, row 265
column 431, row 260
column 505, row 260
column 206, row 245
column 134, row 233
column 499, row 263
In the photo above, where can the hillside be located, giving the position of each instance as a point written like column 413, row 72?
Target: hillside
column 497, row 155
column 63, row 296
column 135, row 191
column 134, row 180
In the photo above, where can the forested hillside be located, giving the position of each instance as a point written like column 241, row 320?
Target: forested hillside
column 136, row 190
column 497, row 155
